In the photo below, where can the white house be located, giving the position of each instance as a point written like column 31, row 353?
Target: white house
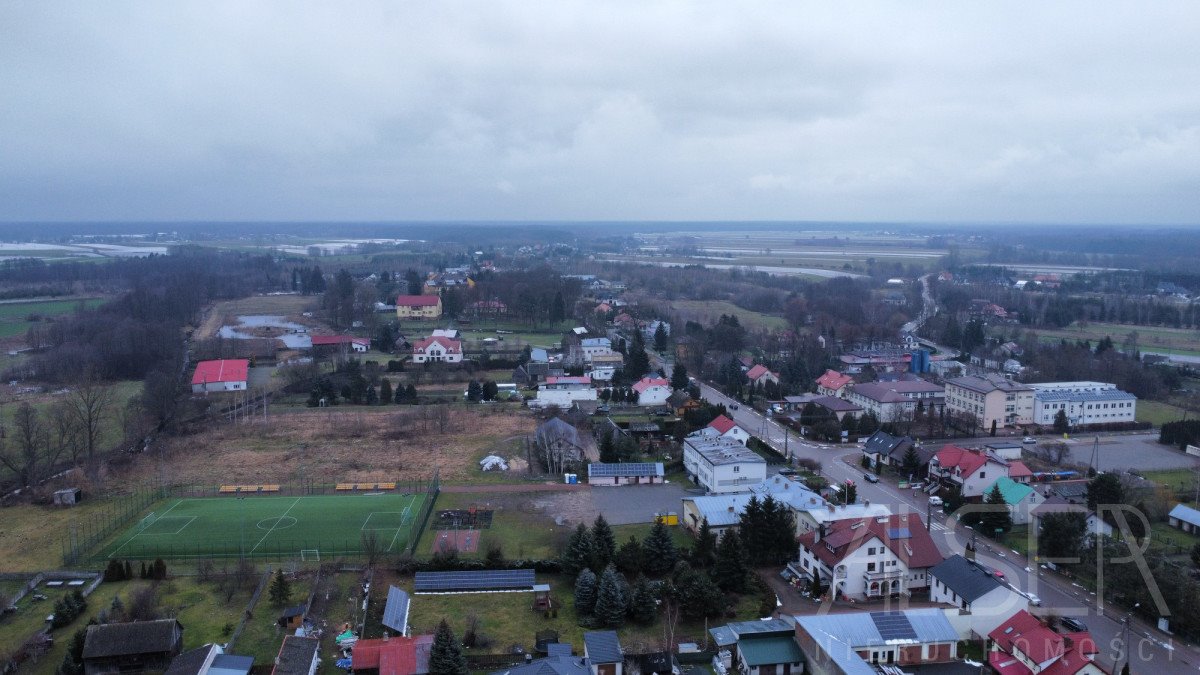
column 358, row 345
column 1020, row 498
column 652, row 391
column 722, row 465
column 761, row 375
column 563, row 391
column 972, row 470
column 723, row 427
column 869, row 557
column 1083, row 403
column 593, row 347
column 983, row 601
column 437, row 349
column 221, row 375
column 832, row 383
column 1094, row 525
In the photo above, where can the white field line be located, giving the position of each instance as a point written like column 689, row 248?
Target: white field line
column 277, row 521
column 114, row 553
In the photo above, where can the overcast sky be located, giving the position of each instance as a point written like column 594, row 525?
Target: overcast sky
column 905, row 111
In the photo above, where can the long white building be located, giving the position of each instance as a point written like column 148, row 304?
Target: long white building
column 1084, row 403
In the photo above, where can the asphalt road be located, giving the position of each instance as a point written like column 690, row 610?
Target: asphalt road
column 1151, row 649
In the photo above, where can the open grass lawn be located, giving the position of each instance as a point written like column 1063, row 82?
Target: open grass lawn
column 507, row 618
column 1158, row 413
column 1150, row 338
column 278, row 527
column 708, row 312
column 1163, row 534
column 200, row 607
column 262, row 635
column 14, row 316
column 1177, row 480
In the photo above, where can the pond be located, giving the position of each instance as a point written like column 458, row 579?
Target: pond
column 293, row 335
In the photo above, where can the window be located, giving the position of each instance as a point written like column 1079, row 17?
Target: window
column 737, row 469
column 871, row 567
column 871, row 551
column 983, row 474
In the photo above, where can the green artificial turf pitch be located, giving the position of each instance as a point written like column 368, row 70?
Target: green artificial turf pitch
column 275, row 527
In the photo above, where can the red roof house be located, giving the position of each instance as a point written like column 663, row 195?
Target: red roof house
column 1019, row 472
column 761, row 374
column 725, row 427
column 652, row 391
column 903, row 535
column 1022, row 645
column 437, row 348
column 970, row 469
column 221, row 375
column 832, row 383
column 392, row 656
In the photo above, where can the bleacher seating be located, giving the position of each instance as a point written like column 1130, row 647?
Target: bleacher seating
column 238, row 489
column 354, row 487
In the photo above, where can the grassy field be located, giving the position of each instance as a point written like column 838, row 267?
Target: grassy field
column 708, row 312
column 1158, row 413
column 14, row 316
column 509, row 620
column 1150, row 338
column 1178, row 480
column 270, row 526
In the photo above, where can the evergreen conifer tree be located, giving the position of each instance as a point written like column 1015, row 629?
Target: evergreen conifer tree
column 610, row 599
column 446, row 655
column 704, row 549
column 659, row 553
column 579, row 551
column 585, row 592
column 280, row 590
column 730, row 570
column 629, row 557
column 643, row 605
column 604, row 544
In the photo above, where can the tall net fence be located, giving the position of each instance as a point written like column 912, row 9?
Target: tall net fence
column 87, row 533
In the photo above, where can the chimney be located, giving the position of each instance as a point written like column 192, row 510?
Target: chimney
column 866, row 502
column 1068, row 643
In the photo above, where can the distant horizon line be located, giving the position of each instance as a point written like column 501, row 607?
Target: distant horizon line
column 604, row 221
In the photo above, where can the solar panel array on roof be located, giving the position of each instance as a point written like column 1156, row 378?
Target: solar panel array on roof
column 624, row 469
column 899, row 533
column 893, row 626
column 395, row 613
column 481, row 580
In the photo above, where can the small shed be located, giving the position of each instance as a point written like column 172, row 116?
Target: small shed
column 67, row 496
column 541, row 597
column 292, row 617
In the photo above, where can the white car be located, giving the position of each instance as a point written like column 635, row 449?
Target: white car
column 935, row 501
column 1034, row 600
column 1029, row 440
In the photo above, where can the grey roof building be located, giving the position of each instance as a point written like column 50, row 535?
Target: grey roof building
column 602, row 646
column 965, row 578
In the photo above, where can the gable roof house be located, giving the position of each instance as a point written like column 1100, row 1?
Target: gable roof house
column 358, row 345
column 983, row 601
column 392, row 656
column 210, row 659
column 564, row 390
column 837, row 406
column 437, row 349
column 970, row 470
column 723, row 427
column 871, row 557
column 561, row 442
column 880, row 446
column 832, row 383
column 1055, row 504
column 419, row 307
column 133, row 646
column 625, row 473
column 1020, row 498
column 759, row 647
column 603, row 652
column 652, row 391
column 760, row 375
column 725, row 511
column 1023, row 645
column 220, row 375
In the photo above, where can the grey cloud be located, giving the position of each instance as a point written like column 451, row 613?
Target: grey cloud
column 570, row 110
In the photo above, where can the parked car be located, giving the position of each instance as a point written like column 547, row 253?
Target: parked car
column 733, row 406
column 917, row 485
column 935, row 501
column 998, row 574
column 871, row 478
column 1034, row 600
column 1029, row 440
column 1073, row 624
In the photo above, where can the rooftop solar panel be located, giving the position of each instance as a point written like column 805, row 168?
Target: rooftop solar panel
column 624, row 469
column 480, row 580
column 893, row 626
column 395, row 613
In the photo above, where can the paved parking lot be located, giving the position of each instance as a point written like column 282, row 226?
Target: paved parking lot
column 1136, row 451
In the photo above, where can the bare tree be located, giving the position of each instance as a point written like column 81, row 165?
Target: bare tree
column 372, row 548
column 91, row 404
column 28, row 453
column 441, row 417
column 64, row 432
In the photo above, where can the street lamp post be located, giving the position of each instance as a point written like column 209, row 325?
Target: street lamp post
column 1125, row 633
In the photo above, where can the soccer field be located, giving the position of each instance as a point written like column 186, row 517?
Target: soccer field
column 308, row 527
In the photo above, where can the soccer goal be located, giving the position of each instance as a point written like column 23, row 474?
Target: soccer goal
column 310, row 555
column 147, row 521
